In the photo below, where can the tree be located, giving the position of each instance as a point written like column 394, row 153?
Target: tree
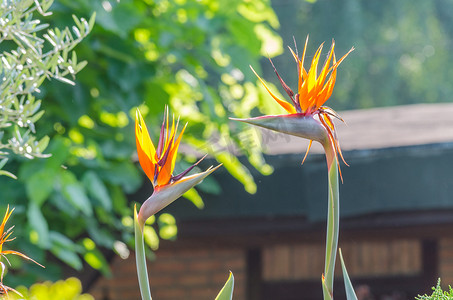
column 29, row 57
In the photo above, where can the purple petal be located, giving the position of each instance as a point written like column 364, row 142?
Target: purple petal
column 182, row 174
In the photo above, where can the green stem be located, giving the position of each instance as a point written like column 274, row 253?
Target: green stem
column 140, row 259
column 333, row 224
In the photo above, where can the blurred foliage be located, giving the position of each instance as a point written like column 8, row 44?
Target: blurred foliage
column 69, row 289
column 438, row 293
column 28, row 57
column 190, row 55
column 195, row 57
column 402, row 48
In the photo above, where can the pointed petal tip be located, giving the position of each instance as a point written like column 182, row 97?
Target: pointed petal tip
column 212, row 169
column 235, row 119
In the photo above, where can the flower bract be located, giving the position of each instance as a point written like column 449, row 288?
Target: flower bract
column 158, row 163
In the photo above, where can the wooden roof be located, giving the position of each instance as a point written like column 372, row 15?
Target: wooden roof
column 379, row 128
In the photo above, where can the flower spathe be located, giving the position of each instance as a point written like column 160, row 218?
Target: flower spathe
column 158, row 164
column 313, row 90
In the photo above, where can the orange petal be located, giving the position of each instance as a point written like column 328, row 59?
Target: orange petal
column 167, row 169
column 299, row 70
column 21, row 255
column 313, row 72
column 325, row 69
column 302, row 72
column 286, row 105
column 307, row 90
column 176, row 146
column 343, row 57
column 306, row 153
column 145, row 148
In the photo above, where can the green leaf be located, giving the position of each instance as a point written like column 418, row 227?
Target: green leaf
column 60, row 150
column 40, row 185
column 65, row 249
column 9, row 174
column 124, row 173
column 101, row 236
column 167, row 226
column 151, row 238
column 69, row 257
column 240, row 172
column 63, row 241
column 119, row 199
column 97, row 261
column 350, row 293
column 42, row 144
column 39, row 228
column 97, row 189
column 226, row 293
column 193, row 196
column 74, row 192
column 92, row 20
column 210, row 186
column 3, row 162
column 37, row 116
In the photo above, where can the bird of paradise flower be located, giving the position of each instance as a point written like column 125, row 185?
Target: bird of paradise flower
column 308, row 118
column 158, row 165
column 313, row 91
column 5, row 237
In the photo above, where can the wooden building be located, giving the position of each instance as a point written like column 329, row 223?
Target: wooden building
column 396, row 219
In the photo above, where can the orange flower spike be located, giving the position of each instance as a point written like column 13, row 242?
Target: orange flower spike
column 5, row 237
column 307, row 117
column 145, row 148
column 287, row 106
column 158, row 163
column 314, row 90
column 165, row 174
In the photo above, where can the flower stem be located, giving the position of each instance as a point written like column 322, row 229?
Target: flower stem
column 140, row 259
column 333, row 224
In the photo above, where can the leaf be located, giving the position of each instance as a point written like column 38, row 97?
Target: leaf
column 69, row 257
column 97, row 261
column 119, row 199
column 97, row 189
column 74, row 192
column 101, row 236
column 65, row 249
column 226, row 293
column 38, row 225
column 92, row 20
column 122, row 173
column 350, row 293
column 6, row 173
column 3, row 162
column 239, row 171
column 37, row 116
column 42, row 144
column 210, row 186
column 40, row 185
column 193, row 196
